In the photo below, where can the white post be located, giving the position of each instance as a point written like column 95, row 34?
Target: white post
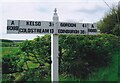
column 54, row 51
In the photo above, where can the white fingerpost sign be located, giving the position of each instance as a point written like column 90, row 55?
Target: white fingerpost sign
column 54, row 50
column 29, row 27
column 54, row 28
column 49, row 27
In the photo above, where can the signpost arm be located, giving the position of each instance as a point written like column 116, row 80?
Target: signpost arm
column 54, row 50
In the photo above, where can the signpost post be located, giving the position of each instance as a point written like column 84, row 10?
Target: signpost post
column 54, row 50
column 54, row 28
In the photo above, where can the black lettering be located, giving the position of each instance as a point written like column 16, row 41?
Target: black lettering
column 33, row 23
column 37, row 23
column 46, row 30
column 30, row 30
column 92, row 30
column 82, row 32
column 9, row 28
column 42, row 30
column 68, row 31
column 92, row 26
column 39, row 30
column 12, row 28
column 27, row 23
column 12, row 23
column 22, row 30
column 67, row 24
column 51, row 30
column 61, row 24
column 51, row 24
column 84, row 25
column 34, row 30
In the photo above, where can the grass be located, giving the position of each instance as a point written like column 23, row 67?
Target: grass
column 13, row 51
column 68, row 78
column 109, row 73
column 9, row 50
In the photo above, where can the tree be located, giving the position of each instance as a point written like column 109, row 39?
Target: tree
column 110, row 24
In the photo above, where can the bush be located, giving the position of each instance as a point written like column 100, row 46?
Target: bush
column 80, row 55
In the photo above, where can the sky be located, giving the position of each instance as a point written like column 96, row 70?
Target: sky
column 79, row 11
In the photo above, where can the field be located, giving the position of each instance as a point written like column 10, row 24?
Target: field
column 9, row 50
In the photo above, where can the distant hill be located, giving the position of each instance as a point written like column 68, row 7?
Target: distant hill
column 9, row 43
column 17, row 40
column 7, row 40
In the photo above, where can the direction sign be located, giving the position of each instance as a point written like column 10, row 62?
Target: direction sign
column 29, row 27
column 48, row 27
column 77, row 28
column 72, row 28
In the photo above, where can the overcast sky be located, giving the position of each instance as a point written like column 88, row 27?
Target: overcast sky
column 79, row 11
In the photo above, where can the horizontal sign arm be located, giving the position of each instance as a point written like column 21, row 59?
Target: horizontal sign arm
column 48, row 27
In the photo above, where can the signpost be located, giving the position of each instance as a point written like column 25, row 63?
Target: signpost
column 54, row 51
column 49, row 27
column 29, row 27
column 54, row 28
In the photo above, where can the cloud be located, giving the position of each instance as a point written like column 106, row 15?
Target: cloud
column 20, row 1
column 43, row 10
column 96, row 9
